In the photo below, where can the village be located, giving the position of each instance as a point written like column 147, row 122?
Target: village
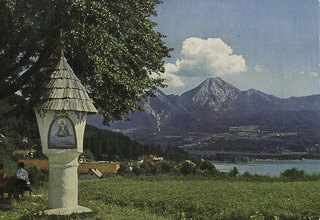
column 100, row 169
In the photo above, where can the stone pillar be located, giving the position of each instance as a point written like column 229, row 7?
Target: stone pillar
column 63, row 188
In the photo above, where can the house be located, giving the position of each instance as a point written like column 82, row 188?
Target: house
column 151, row 159
column 190, row 162
column 41, row 164
column 92, row 174
column 83, row 168
column 104, row 168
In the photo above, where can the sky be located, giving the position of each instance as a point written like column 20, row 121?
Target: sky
column 268, row 45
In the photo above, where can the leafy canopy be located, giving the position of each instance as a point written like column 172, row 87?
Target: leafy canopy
column 111, row 45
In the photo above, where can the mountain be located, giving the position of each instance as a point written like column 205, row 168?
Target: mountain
column 212, row 95
column 211, row 111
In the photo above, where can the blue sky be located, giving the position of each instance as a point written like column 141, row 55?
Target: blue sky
column 269, row 45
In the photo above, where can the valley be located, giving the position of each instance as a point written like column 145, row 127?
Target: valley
column 217, row 120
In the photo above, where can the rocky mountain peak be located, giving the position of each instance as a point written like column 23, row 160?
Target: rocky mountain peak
column 216, row 87
column 258, row 96
column 214, row 94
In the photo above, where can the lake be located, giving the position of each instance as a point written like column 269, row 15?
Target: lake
column 273, row 168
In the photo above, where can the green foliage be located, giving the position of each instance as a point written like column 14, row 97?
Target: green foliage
column 186, row 168
column 234, row 172
column 175, row 153
column 37, row 177
column 88, row 155
column 98, row 144
column 293, row 174
column 112, row 146
column 208, row 199
column 123, row 170
column 167, row 167
column 207, row 166
column 14, row 126
column 34, row 174
column 181, row 197
column 111, row 45
column 10, row 167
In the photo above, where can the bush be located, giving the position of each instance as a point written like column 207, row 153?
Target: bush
column 154, row 170
column 138, row 171
column 167, row 167
column 123, row 170
column 234, row 172
column 186, row 168
column 45, row 174
column 293, row 174
column 207, row 166
column 36, row 177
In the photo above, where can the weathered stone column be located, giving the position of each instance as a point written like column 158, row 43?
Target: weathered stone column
column 63, row 178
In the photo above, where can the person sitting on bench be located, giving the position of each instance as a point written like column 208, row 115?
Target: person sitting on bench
column 23, row 179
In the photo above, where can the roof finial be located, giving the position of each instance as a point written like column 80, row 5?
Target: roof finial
column 62, row 54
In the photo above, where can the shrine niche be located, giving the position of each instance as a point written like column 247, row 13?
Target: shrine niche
column 62, row 134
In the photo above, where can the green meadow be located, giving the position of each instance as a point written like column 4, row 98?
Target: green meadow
column 180, row 197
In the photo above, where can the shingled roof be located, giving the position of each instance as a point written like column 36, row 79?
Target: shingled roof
column 64, row 91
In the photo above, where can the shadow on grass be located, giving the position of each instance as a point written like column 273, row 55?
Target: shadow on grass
column 59, row 217
column 6, row 204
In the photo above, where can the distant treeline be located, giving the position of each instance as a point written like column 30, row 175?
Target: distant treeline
column 109, row 145
column 19, row 131
column 245, row 157
column 295, row 143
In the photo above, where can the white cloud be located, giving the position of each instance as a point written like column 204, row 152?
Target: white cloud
column 257, row 69
column 199, row 57
column 313, row 74
column 310, row 74
column 171, row 78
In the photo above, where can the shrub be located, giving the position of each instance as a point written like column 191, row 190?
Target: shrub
column 186, row 168
column 45, row 174
column 234, row 172
column 123, row 170
column 293, row 174
column 154, row 170
column 167, row 167
column 207, row 166
column 35, row 175
column 138, row 171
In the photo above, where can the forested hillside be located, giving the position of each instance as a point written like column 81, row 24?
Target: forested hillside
column 19, row 134
column 109, row 145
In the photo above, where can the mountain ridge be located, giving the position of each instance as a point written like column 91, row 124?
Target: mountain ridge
column 213, row 107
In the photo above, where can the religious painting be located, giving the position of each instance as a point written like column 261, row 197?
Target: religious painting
column 62, row 134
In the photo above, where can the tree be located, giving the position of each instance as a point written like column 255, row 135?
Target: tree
column 88, row 155
column 293, row 173
column 111, row 46
column 175, row 153
column 207, row 166
column 234, row 172
column 186, row 169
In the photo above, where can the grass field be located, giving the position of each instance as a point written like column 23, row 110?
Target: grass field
column 172, row 197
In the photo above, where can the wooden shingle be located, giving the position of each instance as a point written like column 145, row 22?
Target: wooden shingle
column 64, row 91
